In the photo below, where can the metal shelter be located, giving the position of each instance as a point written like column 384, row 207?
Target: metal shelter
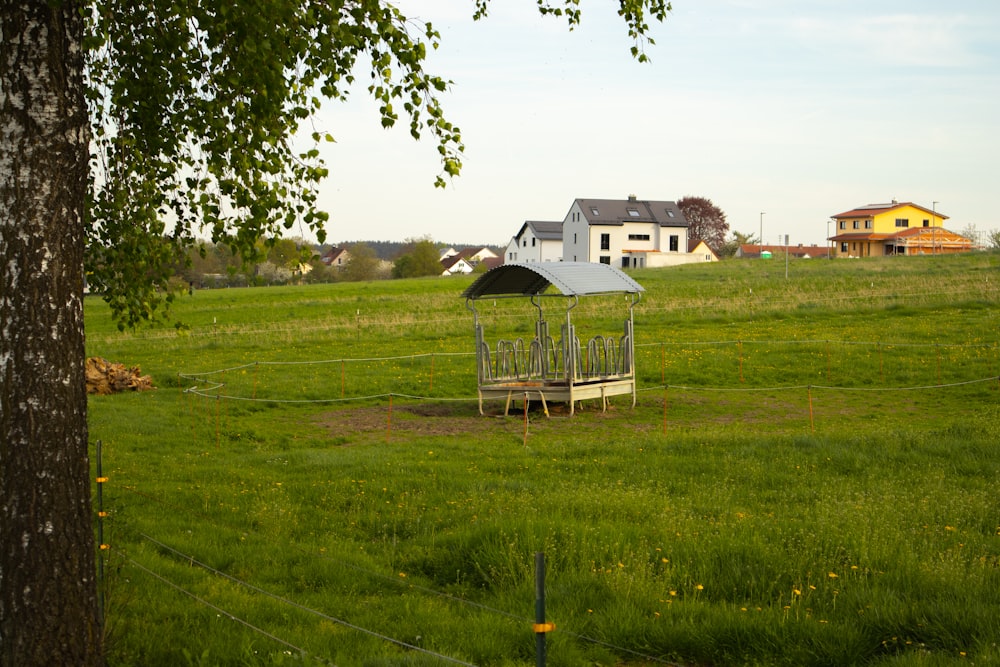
column 543, row 367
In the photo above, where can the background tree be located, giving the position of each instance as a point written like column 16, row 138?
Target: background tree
column 707, row 221
column 362, row 264
column 188, row 110
column 730, row 247
column 421, row 257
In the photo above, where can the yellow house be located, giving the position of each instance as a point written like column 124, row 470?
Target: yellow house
column 897, row 228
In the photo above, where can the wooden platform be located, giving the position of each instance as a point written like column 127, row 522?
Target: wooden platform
column 556, row 392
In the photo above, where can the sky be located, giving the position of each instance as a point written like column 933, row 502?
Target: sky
column 782, row 112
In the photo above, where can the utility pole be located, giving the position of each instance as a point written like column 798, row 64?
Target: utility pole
column 762, row 234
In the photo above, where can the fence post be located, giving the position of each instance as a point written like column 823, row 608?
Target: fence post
column 540, row 627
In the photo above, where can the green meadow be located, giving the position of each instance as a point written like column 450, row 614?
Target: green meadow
column 810, row 476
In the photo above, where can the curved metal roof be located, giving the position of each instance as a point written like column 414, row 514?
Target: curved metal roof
column 570, row 278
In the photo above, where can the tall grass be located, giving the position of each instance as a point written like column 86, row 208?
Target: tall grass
column 780, row 495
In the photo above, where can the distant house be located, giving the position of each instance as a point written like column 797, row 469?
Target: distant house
column 700, row 249
column 335, row 257
column 896, row 228
column 753, row 251
column 536, row 241
column 476, row 255
column 454, row 265
column 629, row 233
column 491, row 262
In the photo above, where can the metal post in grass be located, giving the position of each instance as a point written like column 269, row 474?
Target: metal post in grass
column 540, row 627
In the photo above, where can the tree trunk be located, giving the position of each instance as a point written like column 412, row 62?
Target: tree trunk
column 48, row 600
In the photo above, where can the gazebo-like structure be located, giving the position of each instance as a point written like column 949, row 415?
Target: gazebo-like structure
column 543, row 367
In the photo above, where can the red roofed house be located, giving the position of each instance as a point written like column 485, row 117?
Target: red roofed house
column 897, row 228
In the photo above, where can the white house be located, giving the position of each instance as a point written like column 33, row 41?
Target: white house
column 454, row 265
column 628, row 233
column 474, row 256
column 537, row 241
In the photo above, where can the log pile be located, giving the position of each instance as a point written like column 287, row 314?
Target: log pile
column 104, row 377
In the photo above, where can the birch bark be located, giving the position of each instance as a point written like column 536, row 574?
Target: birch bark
column 48, row 602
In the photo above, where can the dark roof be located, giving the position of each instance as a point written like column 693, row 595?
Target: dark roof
column 452, row 260
column 546, row 230
column 620, row 211
column 570, row 278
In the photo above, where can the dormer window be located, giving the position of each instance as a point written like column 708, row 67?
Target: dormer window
column 670, row 214
column 594, row 211
column 633, row 212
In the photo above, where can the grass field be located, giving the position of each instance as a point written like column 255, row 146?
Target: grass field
column 810, row 477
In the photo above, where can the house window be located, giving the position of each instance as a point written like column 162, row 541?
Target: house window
column 868, row 224
column 574, row 238
column 843, row 247
column 902, row 222
column 625, row 263
column 633, row 212
column 594, row 211
column 525, row 243
column 638, row 237
column 532, row 243
column 927, row 223
column 605, row 259
column 605, row 241
column 843, row 224
column 670, row 214
column 674, row 243
column 856, row 224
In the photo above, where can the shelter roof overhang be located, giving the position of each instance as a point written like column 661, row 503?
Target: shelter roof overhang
column 569, row 278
